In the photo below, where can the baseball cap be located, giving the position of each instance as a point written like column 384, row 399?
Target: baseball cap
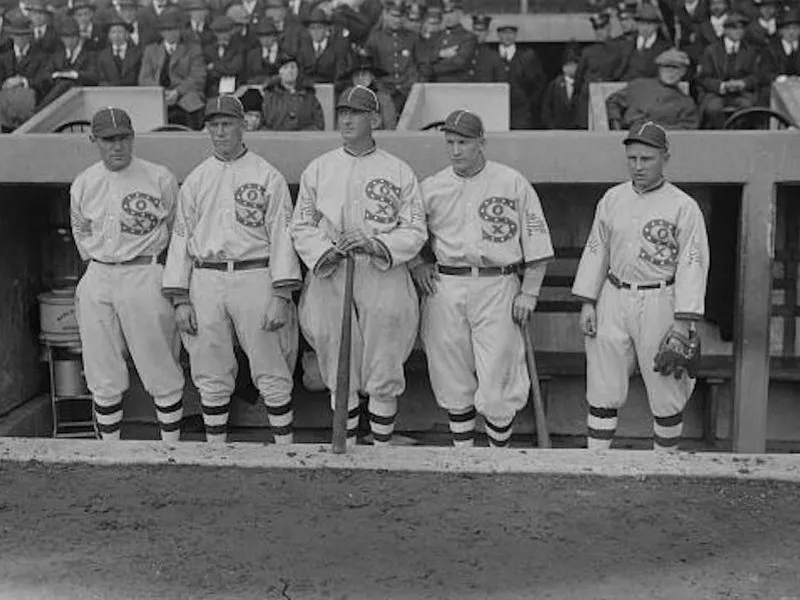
column 110, row 122
column 464, row 123
column 227, row 105
column 359, row 98
column 648, row 133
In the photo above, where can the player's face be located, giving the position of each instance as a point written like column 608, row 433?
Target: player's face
column 645, row 164
column 464, row 153
column 354, row 125
column 671, row 74
column 116, row 152
column 226, row 134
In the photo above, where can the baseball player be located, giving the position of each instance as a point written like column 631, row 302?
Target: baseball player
column 122, row 209
column 361, row 200
column 643, row 271
column 486, row 224
column 231, row 271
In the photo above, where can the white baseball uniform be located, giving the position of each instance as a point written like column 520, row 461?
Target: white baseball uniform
column 121, row 222
column 657, row 237
column 379, row 194
column 476, row 353
column 230, row 215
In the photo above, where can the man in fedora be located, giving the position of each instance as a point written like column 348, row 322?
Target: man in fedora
column 142, row 33
column 198, row 29
column 224, row 59
column 638, row 55
column 292, row 36
column 728, row 73
column 119, row 63
column 262, row 61
column 84, row 12
column 23, row 66
column 179, row 68
column 782, row 56
column 325, row 58
column 764, row 28
column 73, row 64
column 44, row 34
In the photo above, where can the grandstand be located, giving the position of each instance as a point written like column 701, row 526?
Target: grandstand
column 746, row 182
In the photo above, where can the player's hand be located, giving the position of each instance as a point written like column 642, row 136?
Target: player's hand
column 277, row 313
column 356, row 239
column 524, row 305
column 589, row 319
column 186, row 318
column 425, row 277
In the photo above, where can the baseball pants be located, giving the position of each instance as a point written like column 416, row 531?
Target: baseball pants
column 385, row 320
column 630, row 327
column 234, row 303
column 476, row 354
column 119, row 307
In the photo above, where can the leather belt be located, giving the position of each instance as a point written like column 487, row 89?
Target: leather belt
column 234, row 265
column 145, row 259
column 624, row 285
column 478, row 271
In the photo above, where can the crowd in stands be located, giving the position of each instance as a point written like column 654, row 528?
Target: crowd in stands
column 688, row 63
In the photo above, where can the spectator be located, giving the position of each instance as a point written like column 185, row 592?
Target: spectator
column 782, row 57
column 198, row 31
column 149, row 16
column 92, row 35
column 254, row 9
column 119, row 63
column 711, row 30
column 764, row 28
column 243, row 35
column 262, row 62
column 357, row 17
column 72, row 65
column 224, row 59
column 325, row 59
column 429, row 35
column 626, row 15
column 299, row 10
column 728, row 74
column 453, row 47
column 44, row 34
column 290, row 104
column 560, row 104
column 598, row 62
column 179, row 69
column 524, row 74
column 689, row 16
column 291, row 35
column 252, row 102
column 22, row 64
column 140, row 34
column 486, row 65
column 638, row 55
column 657, row 99
column 366, row 74
column 413, row 20
column 396, row 51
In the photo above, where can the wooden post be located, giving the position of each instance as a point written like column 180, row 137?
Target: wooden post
column 753, row 308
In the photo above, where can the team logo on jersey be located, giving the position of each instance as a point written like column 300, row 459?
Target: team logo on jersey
column 251, row 204
column 498, row 215
column 660, row 235
column 385, row 198
column 139, row 213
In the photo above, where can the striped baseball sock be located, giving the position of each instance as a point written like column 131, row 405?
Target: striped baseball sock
column 462, row 426
column 280, row 415
column 382, row 411
column 215, row 417
column 499, row 433
column 667, row 432
column 169, row 410
column 108, row 414
column 601, row 427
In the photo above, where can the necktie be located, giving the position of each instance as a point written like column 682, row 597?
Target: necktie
column 118, row 58
column 730, row 62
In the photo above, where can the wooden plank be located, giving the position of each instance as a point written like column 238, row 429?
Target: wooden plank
column 562, row 157
column 753, row 307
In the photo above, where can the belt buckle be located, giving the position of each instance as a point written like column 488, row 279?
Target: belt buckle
column 475, row 271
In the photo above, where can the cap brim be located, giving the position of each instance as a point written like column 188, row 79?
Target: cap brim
column 351, row 107
column 635, row 139
column 454, row 131
column 221, row 112
column 113, row 132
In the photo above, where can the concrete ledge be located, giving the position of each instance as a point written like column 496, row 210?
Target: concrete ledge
column 616, row 463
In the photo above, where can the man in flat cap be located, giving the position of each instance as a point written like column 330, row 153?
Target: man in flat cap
column 642, row 279
column 486, row 65
column 638, row 55
column 728, row 74
column 231, row 271
column 486, row 227
column 397, row 51
column 177, row 67
column 656, row 99
column 361, row 201
column 525, row 76
column 453, row 47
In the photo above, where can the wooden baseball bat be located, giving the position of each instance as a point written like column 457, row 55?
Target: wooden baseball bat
column 339, row 438
column 542, row 435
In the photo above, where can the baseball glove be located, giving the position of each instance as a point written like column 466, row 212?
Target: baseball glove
column 677, row 354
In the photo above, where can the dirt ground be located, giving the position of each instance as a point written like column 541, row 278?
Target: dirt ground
column 196, row 533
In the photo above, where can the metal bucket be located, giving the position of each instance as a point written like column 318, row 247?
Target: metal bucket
column 57, row 318
column 68, row 378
